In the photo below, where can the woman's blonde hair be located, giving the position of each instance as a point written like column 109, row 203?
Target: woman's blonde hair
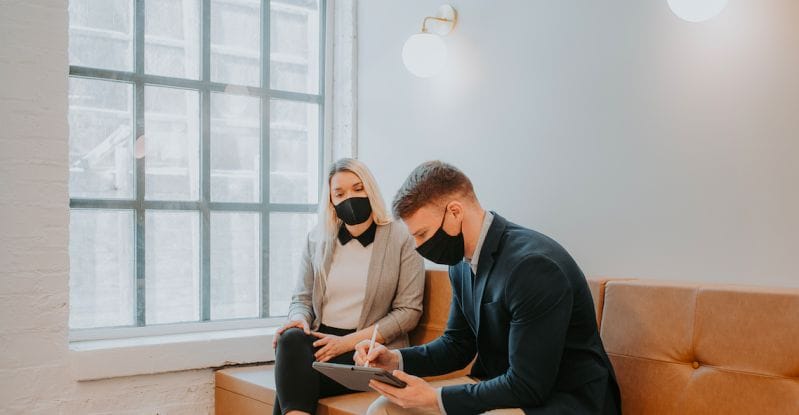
column 328, row 223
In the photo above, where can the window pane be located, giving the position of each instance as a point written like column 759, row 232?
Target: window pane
column 101, row 268
column 235, row 270
column 101, row 34
column 235, row 148
column 287, row 237
column 172, row 155
column 294, row 45
column 236, row 42
column 294, row 152
column 100, row 139
column 172, row 38
column 172, row 258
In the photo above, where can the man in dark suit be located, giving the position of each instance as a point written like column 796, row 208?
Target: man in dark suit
column 520, row 304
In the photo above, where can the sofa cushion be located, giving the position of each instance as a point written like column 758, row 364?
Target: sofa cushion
column 682, row 348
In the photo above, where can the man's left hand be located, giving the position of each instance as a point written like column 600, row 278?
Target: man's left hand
column 417, row 394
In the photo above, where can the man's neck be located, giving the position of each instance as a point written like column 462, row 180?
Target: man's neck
column 472, row 225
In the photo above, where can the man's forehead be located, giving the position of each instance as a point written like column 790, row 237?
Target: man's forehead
column 425, row 216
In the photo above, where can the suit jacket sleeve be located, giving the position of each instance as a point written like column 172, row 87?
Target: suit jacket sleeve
column 452, row 351
column 539, row 299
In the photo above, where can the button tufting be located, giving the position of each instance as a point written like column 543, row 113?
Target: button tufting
column 695, row 365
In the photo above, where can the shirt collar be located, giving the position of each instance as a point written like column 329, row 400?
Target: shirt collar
column 489, row 217
column 366, row 238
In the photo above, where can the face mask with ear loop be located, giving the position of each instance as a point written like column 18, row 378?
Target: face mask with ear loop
column 443, row 248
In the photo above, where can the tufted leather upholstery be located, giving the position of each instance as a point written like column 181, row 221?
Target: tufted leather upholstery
column 682, row 348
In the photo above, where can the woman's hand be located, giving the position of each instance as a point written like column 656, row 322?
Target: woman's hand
column 331, row 346
column 297, row 322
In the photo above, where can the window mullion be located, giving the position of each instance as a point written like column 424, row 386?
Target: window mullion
column 265, row 101
column 139, row 130
column 205, row 166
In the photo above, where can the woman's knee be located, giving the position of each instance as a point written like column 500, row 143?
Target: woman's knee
column 291, row 338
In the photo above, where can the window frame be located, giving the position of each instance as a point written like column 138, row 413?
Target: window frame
column 204, row 206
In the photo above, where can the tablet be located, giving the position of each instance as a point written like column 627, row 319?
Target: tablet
column 357, row 377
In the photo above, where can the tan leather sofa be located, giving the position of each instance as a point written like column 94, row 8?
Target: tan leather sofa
column 677, row 349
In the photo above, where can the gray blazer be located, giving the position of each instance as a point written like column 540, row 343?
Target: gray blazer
column 394, row 287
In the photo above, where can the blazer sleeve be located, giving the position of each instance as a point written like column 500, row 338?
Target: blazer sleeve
column 406, row 307
column 302, row 300
column 454, row 350
column 539, row 298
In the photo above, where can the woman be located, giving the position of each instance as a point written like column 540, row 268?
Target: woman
column 359, row 269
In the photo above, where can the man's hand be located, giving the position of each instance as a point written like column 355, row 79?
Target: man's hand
column 331, row 346
column 379, row 356
column 299, row 323
column 418, row 393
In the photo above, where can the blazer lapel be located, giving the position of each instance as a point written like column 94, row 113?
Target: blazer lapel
column 486, row 262
column 375, row 272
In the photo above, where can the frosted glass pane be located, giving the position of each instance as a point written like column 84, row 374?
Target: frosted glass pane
column 235, row 269
column 101, row 34
column 287, row 236
column 172, row 143
column 236, row 42
column 294, row 45
column 235, row 148
column 101, row 271
column 172, row 258
column 100, row 139
column 172, row 37
column 294, row 152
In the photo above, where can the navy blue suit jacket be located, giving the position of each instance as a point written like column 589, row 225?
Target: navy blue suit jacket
column 529, row 318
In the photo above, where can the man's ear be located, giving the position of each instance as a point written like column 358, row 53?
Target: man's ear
column 455, row 207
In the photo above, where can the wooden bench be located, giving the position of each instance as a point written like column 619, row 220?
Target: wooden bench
column 251, row 390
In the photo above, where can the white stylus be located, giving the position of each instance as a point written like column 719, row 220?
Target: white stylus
column 371, row 344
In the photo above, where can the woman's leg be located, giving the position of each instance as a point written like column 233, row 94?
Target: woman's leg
column 297, row 382
column 329, row 387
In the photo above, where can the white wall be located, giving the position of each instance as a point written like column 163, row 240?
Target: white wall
column 648, row 146
column 34, row 219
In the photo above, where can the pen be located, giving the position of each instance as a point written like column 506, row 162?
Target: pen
column 371, row 344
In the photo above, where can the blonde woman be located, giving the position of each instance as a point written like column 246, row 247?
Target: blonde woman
column 359, row 269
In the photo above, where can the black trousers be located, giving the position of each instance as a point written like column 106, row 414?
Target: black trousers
column 299, row 386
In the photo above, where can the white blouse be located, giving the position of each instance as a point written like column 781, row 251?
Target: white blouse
column 346, row 285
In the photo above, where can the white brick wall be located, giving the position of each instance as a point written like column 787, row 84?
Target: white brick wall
column 34, row 224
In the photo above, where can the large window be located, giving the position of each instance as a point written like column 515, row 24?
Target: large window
column 195, row 149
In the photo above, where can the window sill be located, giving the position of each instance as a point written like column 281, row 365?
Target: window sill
column 101, row 359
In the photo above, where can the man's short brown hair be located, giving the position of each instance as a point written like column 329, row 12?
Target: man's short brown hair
column 428, row 183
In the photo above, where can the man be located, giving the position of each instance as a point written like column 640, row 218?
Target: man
column 520, row 304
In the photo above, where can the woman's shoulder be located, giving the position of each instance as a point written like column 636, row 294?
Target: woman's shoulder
column 398, row 232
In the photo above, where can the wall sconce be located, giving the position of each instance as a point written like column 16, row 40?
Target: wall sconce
column 697, row 10
column 424, row 53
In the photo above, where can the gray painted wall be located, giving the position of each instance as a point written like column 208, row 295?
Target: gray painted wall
column 649, row 146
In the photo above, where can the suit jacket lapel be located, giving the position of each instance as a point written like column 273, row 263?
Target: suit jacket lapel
column 375, row 271
column 486, row 262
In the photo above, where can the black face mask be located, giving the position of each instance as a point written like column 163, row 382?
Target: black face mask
column 443, row 248
column 354, row 210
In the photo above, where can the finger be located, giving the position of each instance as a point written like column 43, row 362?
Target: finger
column 404, row 376
column 321, row 342
column 383, row 389
column 318, row 335
column 362, row 346
column 321, row 352
column 374, row 355
column 305, row 328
